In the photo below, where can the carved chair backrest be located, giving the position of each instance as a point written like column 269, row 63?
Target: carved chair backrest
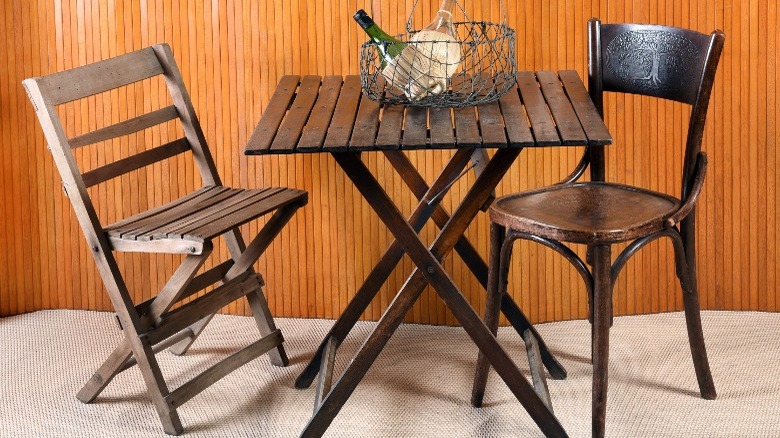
column 658, row 61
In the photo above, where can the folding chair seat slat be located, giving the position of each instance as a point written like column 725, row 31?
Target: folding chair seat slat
column 130, row 221
column 225, row 216
column 187, row 215
column 174, row 215
column 206, row 214
column 258, row 208
column 126, row 127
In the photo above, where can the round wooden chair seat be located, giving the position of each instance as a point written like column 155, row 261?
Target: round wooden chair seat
column 589, row 212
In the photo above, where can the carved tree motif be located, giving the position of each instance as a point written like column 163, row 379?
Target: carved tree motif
column 652, row 60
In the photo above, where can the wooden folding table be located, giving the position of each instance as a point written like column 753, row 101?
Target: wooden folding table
column 330, row 114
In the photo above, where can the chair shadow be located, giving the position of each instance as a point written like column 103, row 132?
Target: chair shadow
column 662, row 386
column 222, row 351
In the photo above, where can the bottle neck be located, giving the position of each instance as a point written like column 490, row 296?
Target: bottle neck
column 443, row 16
column 376, row 33
column 446, row 7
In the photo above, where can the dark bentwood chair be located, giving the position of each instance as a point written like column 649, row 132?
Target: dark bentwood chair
column 187, row 226
column 658, row 61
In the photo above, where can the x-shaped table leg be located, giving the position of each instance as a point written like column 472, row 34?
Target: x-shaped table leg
column 429, row 270
column 392, row 256
column 474, row 261
column 379, row 274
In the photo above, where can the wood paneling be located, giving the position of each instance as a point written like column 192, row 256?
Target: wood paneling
column 232, row 53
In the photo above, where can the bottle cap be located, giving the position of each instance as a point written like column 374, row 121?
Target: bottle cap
column 363, row 19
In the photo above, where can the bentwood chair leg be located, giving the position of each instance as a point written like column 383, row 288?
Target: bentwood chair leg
column 687, row 276
column 698, row 349
column 602, row 297
column 496, row 287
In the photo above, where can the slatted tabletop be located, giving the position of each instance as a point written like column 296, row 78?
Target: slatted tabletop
column 331, row 114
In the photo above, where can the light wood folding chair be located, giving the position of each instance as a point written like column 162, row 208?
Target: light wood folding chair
column 186, row 225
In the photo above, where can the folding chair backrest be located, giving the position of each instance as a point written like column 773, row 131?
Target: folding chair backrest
column 59, row 88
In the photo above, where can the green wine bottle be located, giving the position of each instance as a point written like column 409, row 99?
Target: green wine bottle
column 388, row 46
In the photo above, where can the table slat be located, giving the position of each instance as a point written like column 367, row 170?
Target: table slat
column 390, row 126
column 515, row 121
column 565, row 118
column 366, row 124
column 416, row 128
column 466, row 129
column 314, row 132
column 290, row 130
column 260, row 140
column 492, row 126
column 491, row 123
column 442, row 135
column 343, row 120
column 542, row 125
column 591, row 121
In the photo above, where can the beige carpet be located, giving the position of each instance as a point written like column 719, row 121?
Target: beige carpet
column 420, row 385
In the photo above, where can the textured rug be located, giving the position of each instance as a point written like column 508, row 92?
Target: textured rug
column 419, row 386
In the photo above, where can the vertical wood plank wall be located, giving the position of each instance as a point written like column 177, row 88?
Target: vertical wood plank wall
column 232, row 54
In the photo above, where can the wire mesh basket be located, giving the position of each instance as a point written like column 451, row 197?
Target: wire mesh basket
column 427, row 74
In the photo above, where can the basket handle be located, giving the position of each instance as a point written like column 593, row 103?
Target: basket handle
column 457, row 3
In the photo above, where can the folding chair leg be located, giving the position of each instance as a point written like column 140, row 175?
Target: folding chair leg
column 184, row 345
column 106, row 373
column 244, row 258
column 156, row 387
column 122, row 354
column 265, row 324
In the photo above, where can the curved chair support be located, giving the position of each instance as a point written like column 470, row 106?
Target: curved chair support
column 558, row 247
column 700, row 171
column 630, row 250
column 568, row 254
column 579, row 170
